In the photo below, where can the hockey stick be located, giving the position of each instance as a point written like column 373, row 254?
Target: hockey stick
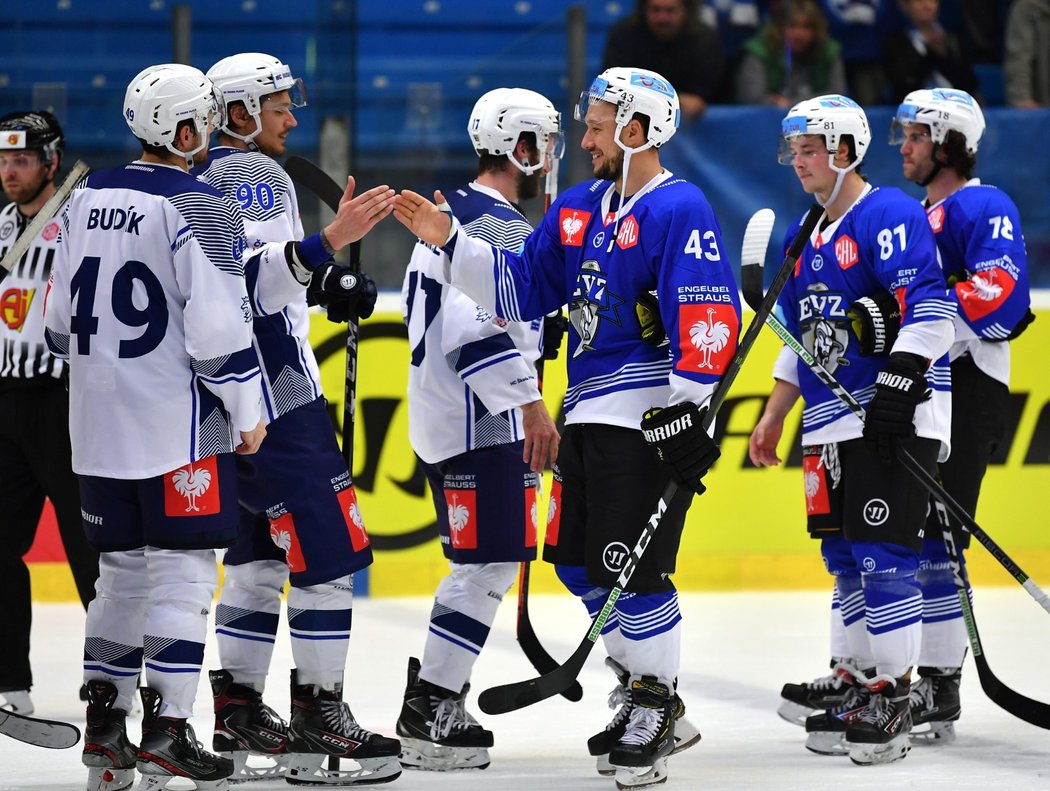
column 52, row 734
column 530, row 643
column 306, row 173
column 1031, row 711
column 509, row 697
column 43, row 217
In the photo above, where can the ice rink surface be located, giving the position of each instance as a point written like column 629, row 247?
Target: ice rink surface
column 738, row 650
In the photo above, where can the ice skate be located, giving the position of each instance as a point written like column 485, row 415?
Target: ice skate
column 246, row 727
column 879, row 733
column 639, row 756
column 799, row 701
column 18, row 701
column 826, row 731
column 437, row 733
column 108, row 754
column 323, row 728
column 599, row 745
column 935, row 704
column 170, row 749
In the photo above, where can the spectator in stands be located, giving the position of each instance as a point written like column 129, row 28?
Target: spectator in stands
column 792, row 58
column 666, row 36
column 860, row 26
column 983, row 23
column 922, row 54
column 736, row 21
column 1026, row 68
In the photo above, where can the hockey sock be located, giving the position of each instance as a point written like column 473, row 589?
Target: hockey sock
column 575, row 579
column 892, row 604
column 182, row 587
column 464, row 608
column 944, row 638
column 837, row 628
column 114, row 625
column 651, row 626
column 838, row 559
column 319, row 619
column 246, row 619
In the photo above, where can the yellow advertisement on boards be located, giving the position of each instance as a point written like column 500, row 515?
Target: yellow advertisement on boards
column 746, row 532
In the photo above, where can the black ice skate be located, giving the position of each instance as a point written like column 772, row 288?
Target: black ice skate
column 640, row 754
column 799, row 701
column 108, row 754
column 879, row 733
column 170, row 749
column 245, row 726
column 935, row 704
column 599, row 745
column 437, row 733
column 826, row 731
column 323, row 729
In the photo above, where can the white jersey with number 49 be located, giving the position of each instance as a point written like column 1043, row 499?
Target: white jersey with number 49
column 147, row 301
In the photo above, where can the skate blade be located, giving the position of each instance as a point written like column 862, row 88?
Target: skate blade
column 933, row 733
column 310, row 769
column 150, row 782
column 109, row 779
column 794, row 713
column 895, row 749
column 685, row 736
column 430, row 757
column 827, row 743
column 642, row 776
column 249, row 767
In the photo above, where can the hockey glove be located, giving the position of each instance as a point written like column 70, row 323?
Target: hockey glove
column 1021, row 326
column 682, row 443
column 891, row 414
column 875, row 321
column 647, row 308
column 340, row 291
column 554, row 326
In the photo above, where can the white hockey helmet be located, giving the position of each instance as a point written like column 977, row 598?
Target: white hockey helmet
column 830, row 116
column 162, row 96
column 941, row 109
column 635, row 91
column 249, row 77
column 501, row 115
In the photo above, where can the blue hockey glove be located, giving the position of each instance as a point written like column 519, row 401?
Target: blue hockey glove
column 682, row 443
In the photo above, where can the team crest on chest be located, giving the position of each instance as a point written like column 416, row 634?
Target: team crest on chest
column 571, row 223
column 591, row 304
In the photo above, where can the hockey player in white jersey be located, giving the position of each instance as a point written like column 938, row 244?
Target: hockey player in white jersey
column 630, row 251
column 982, row 253
column 479, row 427
column 871, row 256
column 299, row 510
column 147, row 301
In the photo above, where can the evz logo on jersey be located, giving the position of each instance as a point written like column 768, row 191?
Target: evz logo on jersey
column 846, row 252
column 706, row 337
column 825, row 326
column 591, row 304
column 571, row 224
column 191, row 490
column 462, row 517
column 14, row 307
column 627, row 235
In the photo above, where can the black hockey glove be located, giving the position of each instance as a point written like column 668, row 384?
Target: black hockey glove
column 1021, row 326
column 554, row 326
column 340, row 291
column 682, row 443
column 875, row 321
column 891, row 414
column 647, row 308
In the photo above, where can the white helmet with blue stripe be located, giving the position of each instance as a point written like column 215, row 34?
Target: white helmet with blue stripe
column 941, row 109
column 635, row 91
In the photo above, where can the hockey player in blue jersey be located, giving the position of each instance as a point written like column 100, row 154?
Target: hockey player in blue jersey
column 982, row 253
column 871, row 256
column 479, row 426
column 299, row 512
column 654, row 317
column 147, row 301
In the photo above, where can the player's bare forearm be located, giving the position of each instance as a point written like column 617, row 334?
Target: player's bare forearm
column 762, row 445
column 423, row 217
column 358, row 215
column 541, row 436
column 251, row 440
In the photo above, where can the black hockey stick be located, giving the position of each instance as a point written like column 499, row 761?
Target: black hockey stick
column 510, row 697
column 1031, row 711
column 309, row 175
column 52, row 734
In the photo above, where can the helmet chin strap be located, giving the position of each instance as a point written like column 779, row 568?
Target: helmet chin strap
column 839, row 179
column 936, row 167
column 627, row 152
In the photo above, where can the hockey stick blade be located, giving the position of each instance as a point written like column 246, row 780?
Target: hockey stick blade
column 530, row 642
column 510, row 697
column 51, row 734
column 1020, row 706
column 43, row 217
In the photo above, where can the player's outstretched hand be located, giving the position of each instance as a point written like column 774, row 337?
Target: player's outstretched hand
column 251, row 440
column 541, row 436
column 762, row 445
column 424, row 218
column 357, row 216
